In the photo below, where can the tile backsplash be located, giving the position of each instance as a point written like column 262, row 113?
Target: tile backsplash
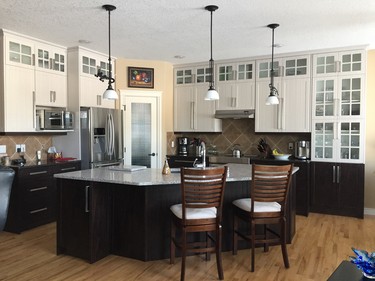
column 32, row 144
column 241, row 132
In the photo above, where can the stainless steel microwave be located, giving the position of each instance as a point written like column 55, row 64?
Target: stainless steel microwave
column 56, row 120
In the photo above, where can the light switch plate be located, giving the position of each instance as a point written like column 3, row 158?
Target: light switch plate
column 3, row 149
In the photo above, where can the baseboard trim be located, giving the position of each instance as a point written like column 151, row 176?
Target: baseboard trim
column 369, row 211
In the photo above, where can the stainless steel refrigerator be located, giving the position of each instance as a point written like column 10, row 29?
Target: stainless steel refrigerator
column 101, row 137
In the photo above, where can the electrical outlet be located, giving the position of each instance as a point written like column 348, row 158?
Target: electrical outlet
column 23, row 147
column 290, row 146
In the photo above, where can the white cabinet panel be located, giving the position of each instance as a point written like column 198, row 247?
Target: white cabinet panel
column 50, row 89
column 18, row 114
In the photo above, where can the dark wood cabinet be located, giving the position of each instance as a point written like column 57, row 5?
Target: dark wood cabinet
column 33, row 196
column 84, row 219
column 338, row 189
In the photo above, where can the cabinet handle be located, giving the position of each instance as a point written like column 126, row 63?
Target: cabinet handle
column 38, row 188
column 54, row 96
column 192, row 115
column 37, row 173
column 87, row 190
column 334, row 174
column 338, row 174
column 50, row 96
column 337, row 66
column 68, row 169
column 34, row 111
column 38, row 210
column 99, row 100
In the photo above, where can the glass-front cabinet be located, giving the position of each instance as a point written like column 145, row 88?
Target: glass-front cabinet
column 236, row 85
column 338, row 107
column 292, row 81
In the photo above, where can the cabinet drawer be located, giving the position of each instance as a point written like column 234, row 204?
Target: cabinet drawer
column 38, row 216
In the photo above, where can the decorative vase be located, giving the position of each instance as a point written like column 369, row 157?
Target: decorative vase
column 365, row 262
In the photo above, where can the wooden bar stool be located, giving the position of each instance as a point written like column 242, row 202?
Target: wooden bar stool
column 266, row 205
column 202, row 193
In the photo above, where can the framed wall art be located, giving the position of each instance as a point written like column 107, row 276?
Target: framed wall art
column 140, row 77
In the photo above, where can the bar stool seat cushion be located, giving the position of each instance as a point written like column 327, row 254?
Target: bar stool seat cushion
column 194, row 213
column 245, row 204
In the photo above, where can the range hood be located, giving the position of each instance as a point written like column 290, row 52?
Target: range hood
column 235, row 114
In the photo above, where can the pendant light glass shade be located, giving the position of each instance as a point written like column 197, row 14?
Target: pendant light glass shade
column 212, row 94
column 272, row 99
column 109, row 93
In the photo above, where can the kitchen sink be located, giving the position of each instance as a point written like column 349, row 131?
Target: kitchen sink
column 224, row 159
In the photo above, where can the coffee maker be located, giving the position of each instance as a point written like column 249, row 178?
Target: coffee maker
column 302, row 150
column 183, row 144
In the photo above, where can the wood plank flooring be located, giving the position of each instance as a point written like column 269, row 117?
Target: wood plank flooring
column 320, row 244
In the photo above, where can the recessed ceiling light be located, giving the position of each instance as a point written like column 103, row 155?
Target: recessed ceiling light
column 84, row 41
column 179, row 57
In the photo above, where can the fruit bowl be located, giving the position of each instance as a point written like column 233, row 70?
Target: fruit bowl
column 281, row 156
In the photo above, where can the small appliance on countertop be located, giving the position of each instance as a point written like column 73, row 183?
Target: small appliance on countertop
column 183, row 144
column 302, row 150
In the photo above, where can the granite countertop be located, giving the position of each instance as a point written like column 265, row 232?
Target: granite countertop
column 237, row 172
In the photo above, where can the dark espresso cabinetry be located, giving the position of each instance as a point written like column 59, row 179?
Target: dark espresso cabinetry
column 338, row 189
column 33, row 196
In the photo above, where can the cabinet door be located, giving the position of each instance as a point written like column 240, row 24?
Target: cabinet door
column 267, row 117
column 19, row 52
column 50, row 58
column 350, row 178
column 91, row 92
column 184, row 109
column 236, row 95
column 84, row 220
column 295, row 105
column 51, row 89
column 324, row 140
column 204, row 120
column 18, row 99
column 325, row 191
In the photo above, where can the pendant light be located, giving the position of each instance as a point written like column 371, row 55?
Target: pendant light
column 273, row 97
column 110, row 93
column 212, row 94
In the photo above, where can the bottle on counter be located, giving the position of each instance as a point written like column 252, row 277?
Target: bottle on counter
column 166, row 169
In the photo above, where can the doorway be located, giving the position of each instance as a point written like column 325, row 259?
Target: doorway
column 142, row 127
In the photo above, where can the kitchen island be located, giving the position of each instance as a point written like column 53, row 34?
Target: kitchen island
column 103, row 211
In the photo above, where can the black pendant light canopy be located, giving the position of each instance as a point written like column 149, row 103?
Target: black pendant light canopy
column 110, row 93
column 273, row 97
column 212, row 94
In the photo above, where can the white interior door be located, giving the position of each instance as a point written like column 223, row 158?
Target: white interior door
column 142, row 128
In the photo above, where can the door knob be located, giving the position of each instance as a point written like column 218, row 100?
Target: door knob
column 152, row 154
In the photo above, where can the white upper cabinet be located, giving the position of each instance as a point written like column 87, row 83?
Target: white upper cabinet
column 338, row 111
column 50, row 76
column 236, row 85
column 83, row 65
column 191, row 112
column 292, row 81
column 339, row 63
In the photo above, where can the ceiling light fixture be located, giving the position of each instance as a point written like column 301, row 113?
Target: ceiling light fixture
column 212, row 94
column 272, row 99
column 110, row 93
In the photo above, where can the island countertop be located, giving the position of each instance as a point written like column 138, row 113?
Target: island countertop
column 237, row 172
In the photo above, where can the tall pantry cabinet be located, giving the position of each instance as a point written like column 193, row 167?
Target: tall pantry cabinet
column 338, row 132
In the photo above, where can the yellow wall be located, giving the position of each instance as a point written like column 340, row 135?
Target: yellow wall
column 163, row 81
column 370, row 132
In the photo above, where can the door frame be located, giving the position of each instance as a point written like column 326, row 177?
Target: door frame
column 147, row 94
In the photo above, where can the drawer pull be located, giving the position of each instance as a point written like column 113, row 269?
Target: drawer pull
column 68, row 169
column 38, row 173
column 87, row 192
column 38, row 210
column 38, row 188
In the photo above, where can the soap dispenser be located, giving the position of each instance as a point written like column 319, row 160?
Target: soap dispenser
column 166, row 169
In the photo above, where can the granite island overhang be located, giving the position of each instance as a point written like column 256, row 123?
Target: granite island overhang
column 103, row 211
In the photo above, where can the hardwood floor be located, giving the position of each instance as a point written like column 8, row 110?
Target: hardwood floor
column 320, row 244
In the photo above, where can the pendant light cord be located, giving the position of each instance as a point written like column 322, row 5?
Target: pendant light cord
column 110, row 80
column 211, row 64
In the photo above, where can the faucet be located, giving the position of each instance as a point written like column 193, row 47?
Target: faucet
column 203, row 154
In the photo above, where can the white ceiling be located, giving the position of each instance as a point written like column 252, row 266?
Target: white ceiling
column 162, row 29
